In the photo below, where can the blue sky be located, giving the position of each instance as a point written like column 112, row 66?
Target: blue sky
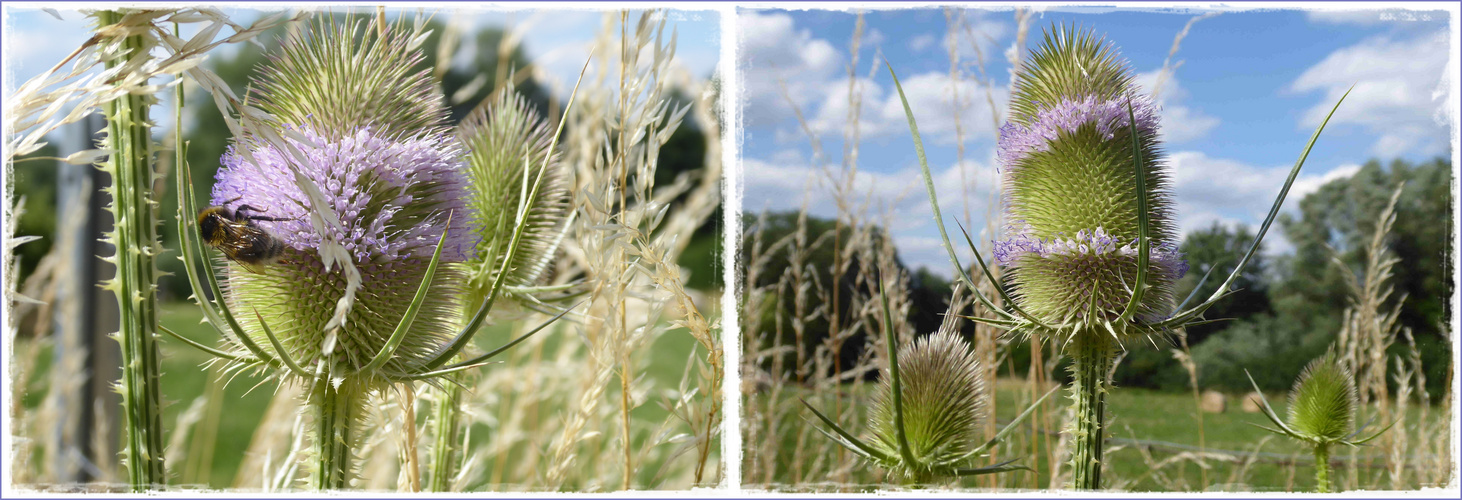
column 1248, row 90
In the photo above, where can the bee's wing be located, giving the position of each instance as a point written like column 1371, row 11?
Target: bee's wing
column 242, row 238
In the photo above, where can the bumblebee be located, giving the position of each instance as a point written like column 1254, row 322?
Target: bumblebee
column 233, row 232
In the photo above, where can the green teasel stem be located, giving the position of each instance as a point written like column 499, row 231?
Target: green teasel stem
column 1322, row 468
column 135, row 285
column 443, row 465
column 1093, row 354
column 335, row 411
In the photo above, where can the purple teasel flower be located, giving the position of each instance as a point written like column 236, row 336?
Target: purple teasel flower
column 393, row 199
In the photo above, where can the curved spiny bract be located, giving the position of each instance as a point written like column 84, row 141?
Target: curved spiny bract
column 943, row 406
column 508, row 150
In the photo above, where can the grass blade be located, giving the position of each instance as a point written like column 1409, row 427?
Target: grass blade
column 934, row 203
column 1144, row 242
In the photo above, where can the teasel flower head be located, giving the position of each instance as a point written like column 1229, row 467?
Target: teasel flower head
column 364, row 186
column 1323, row 401
column 1322, row 406
column 394, row 199
column 1322, row 411
column 511, row 161
column 928, row 409
column 1071, row 204
column 943, row 405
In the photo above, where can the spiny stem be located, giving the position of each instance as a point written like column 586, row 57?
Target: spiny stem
column 135, row 238
column 335, row 411
column 1092, row 358
column 1322, row 468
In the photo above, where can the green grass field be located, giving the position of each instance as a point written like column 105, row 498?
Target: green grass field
column 1151, row 433
column 184, row 379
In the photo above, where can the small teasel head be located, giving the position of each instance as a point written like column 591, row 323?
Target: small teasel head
column 510, row 161
column 1323, row 401
column 1322, row 406
column 361, row 191
column 943, row 405
column 1071, row 205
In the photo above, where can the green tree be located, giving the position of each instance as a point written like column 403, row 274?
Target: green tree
column 1338, row 219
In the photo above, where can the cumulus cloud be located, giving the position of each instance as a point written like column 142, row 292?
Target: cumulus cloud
column 1372, row 17
column 930, row 96
column 1400, row 96
column 816, row 79
column 1180, row 123
column 921, row 42
column 1208, row 190
column 787, row 184
column 772, row 51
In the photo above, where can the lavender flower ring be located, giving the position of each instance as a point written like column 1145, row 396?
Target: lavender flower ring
column 394, row 198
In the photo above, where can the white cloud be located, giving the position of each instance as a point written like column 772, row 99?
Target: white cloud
column 874, row 38
column 773, row 50
column 1400, row 94
column 815, row 76
column 786, row 184
column 1208, row 190
column 1372, row 17
column 1179, row 123
column 929, row 95
column 921, row 42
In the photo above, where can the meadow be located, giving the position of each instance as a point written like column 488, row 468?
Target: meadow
column 1155, row 447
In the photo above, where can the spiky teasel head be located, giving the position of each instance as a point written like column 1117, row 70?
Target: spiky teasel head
column 943, row 403
column 1323, row 401
column 1322, row 406
column 360, row 194
column 339, row 77
column 509, row 159
column 1071, row 201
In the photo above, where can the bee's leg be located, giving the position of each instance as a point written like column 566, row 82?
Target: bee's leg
column 250, row 208
column 230, row 202
column 266, row 218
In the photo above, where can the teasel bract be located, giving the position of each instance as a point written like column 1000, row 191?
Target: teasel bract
column 1322, row 407
column 926, row 414
column 365, row 186
column 1090, row 244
